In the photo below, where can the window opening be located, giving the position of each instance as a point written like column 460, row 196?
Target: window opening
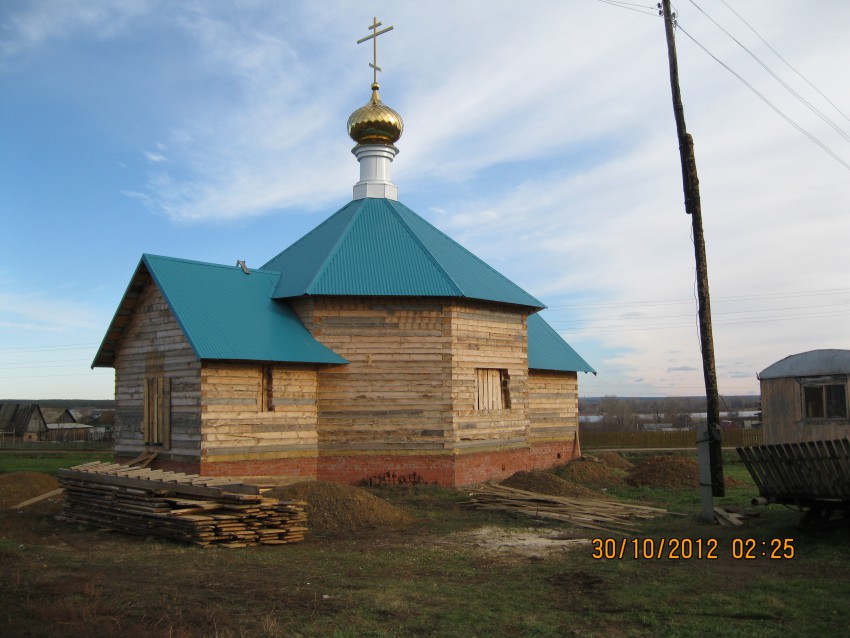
column 492, row 389
column 826, row 401
column 266, row 399
column 156, row 418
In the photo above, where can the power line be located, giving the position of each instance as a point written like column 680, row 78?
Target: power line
column 727, row 312
column 640, row 8
column 785, row 295
column 72, row 346
column 23, row 363
column 784, row 84
column 46, row 376
column 578, row 332
column 766, row 101
column 788, row 64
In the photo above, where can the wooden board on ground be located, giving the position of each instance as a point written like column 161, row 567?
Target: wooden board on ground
column 155, row 504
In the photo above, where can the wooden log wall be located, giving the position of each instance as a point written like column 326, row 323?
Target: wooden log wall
column 488, row 336
column 552, row 405
column 394, row 395
column 241, row 422
column 154, row 345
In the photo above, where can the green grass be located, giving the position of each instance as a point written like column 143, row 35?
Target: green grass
column 48, row 462
column 69, row 580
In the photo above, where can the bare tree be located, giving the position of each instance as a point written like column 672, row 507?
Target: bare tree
column 617, row 414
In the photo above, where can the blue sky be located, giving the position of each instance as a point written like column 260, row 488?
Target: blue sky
column 540, row 135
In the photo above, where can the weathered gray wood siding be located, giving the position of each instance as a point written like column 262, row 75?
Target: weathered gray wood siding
column 783, row 419
column 154, row 345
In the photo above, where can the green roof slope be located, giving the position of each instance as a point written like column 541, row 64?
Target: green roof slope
column 377, row 246
column 227, row 314
column 548, row 351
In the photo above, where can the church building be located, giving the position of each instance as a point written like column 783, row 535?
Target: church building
column 373, row 344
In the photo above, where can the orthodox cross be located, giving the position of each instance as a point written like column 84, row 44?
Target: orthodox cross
column 374, row 38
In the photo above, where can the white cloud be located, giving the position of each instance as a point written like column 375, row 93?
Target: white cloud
column 36, row 24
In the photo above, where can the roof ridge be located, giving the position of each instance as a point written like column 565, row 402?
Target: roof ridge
column 431, row 257
column 304, row 237
column 333, row 251
column 206, row 263
column 471, row 254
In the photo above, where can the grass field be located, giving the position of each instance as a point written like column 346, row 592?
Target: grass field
column 428, row 580
column 48, row 462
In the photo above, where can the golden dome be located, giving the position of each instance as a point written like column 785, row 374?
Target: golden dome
column 375, row 123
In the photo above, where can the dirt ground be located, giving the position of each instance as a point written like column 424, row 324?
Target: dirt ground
column 17, row 487
column 339, row 509
column 399, row 565
column 531, row 543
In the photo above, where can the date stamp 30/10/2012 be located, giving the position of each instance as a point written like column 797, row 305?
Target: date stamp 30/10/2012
column 692, row 548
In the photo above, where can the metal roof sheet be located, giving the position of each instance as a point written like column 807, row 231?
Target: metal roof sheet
column 547, row 350
column 377, row 246
column 227, row 314
column 809, row 364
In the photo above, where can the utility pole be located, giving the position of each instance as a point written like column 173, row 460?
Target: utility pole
column 708, row 438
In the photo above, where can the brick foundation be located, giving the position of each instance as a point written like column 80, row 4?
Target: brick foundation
column 447, row 469
column 444, row 469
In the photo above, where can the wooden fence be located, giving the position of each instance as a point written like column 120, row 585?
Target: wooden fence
column 655, row 439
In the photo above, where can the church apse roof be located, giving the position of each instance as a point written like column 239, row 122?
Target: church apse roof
column 548, row 351
column 378, row 246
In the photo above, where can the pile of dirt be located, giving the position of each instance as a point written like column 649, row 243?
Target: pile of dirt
column 17, row 487
column 342, row 508
column 589, row 473
column 547, row 483
column 665, row 471
column 615, row 459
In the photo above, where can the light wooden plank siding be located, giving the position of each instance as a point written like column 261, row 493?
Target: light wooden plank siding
column 410, row 386
column 783, row 420
column 488, row 336
column 238, row 424
column 552, row 405
column 153, row 346
column 394, row 395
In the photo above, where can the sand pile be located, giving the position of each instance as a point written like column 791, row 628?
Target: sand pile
column 593, row 474
column 342, row 508
column 665, row 471
column 17, row 487
column 547, row 483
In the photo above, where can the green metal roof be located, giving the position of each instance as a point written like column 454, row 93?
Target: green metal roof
column 377, row 246
column 548, row 351
column 224, row 313
column 369, row 247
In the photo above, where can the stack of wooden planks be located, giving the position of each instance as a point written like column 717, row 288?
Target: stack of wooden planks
column 607, row 516
column 185, row 507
